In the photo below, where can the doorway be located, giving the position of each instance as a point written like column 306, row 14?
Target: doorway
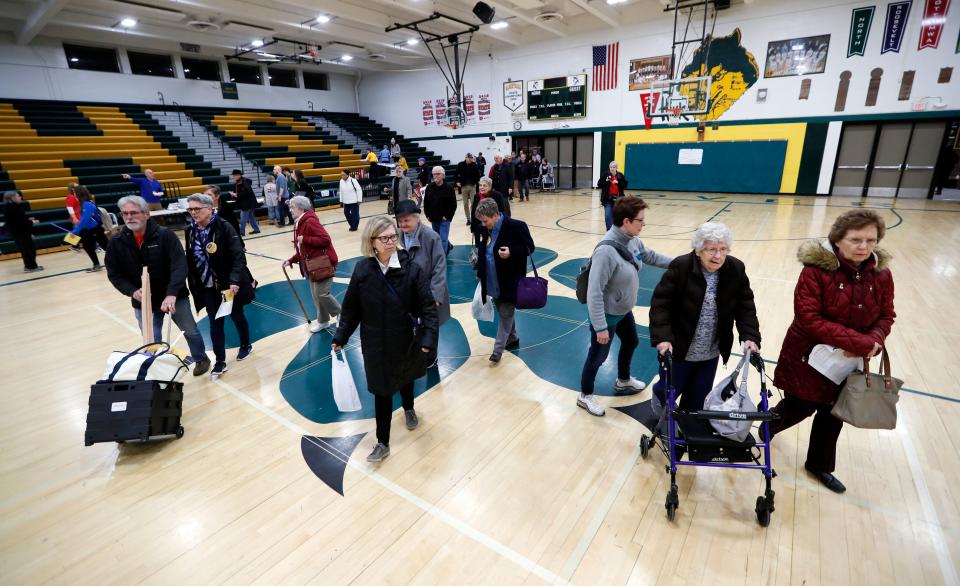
column 572, row 158
column 888, row 159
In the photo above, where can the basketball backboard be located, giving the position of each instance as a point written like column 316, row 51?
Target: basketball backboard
column 672, row 98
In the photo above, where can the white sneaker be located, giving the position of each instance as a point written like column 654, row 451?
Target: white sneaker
column 629, row 386
column 589, row 402
column 316, row 327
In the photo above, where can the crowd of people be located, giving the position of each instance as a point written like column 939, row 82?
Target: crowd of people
column 398, row 295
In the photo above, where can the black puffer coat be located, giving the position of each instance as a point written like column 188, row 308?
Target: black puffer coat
column 227, row 260
column 384, row 319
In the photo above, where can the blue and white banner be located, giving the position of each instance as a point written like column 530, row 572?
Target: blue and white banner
column 897, row 13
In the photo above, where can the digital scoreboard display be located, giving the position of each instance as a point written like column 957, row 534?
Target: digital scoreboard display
column 557, row 98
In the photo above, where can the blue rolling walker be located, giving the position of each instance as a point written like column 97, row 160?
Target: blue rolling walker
column 680, row 431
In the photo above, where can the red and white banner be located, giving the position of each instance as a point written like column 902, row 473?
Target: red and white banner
column 931, row 27
column 645, row 100
column 427, row 113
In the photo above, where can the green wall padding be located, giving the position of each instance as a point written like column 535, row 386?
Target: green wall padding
column 734, row 166
column 811, row 158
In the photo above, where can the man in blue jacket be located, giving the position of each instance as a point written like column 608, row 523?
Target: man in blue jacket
column 150, row 189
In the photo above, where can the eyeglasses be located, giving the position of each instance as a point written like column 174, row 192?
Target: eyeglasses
column 858, row 242
column 388, row 238
column 641, row 220
column 717, row 251
column 131, row 214
column 196, row 210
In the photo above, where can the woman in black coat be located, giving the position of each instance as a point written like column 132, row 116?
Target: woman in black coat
column 485, row 190
column 216, row 263
column 389, row 299
column 20, row 227
column 693, row 311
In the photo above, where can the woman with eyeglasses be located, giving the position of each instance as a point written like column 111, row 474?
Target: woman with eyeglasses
column 389, row 299
column 611, row 294
column 693, row 311
column 843, row 298
column 217, row 265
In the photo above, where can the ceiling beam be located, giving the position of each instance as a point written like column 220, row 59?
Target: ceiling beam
column 45, row 11
column 601, row 11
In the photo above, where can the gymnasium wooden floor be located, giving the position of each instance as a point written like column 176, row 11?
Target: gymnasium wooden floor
column 506, row 481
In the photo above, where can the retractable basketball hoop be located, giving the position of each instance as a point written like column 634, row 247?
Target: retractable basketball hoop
column 448, row 46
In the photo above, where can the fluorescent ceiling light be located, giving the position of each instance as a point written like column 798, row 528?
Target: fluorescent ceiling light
column 74, row 60
column 499, row 25
column 186, row 71
column 347, row 57
column 616, row 1
column 323, row 19
column 257, row 43
column 412, row 42
column 128, row 22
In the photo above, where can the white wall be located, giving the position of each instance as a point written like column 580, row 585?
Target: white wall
column 396, row 99
column 39, row 72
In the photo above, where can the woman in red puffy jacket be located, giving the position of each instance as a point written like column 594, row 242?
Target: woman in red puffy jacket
column 310, row 240
column 844, row 298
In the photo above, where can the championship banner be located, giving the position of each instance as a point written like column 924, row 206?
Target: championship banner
column 513, row 95
column 897, row 13
column 483, row 107
column 859, row 30
column 440, row 111
column 428, row 113
column 645, row 100
column 934, row 15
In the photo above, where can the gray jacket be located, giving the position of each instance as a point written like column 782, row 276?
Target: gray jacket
column 404, row 189
column 614, row 282
column 427, row 252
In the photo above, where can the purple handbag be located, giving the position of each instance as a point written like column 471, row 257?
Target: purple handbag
column 531, row 291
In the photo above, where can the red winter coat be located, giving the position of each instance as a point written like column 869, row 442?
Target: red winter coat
column 835, row 304
column 316, row 241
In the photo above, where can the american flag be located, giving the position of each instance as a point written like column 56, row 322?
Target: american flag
column 605, row 59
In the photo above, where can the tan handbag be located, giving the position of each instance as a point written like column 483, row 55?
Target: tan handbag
column 869, row 400
column 319, row 268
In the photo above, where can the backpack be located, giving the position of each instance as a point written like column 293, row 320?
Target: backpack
column 583, row 277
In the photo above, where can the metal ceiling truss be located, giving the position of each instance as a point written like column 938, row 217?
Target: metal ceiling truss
column 301, row 54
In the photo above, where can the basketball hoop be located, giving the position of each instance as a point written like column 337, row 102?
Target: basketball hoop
column 674, row 118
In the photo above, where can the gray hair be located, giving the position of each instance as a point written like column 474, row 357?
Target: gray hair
column 301, row 202
column 613, row 164
column 133, row 200
column 486, row 181
column 439, row 168
column 498, row 156
column 711, row 232
column 9, row 195
column 202, row 199
column 486, row 208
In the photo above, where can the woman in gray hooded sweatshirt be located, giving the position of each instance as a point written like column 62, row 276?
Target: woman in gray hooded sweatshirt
column 611, row 294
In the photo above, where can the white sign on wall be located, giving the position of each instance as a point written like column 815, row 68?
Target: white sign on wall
column 513, row 95
column 690, row 157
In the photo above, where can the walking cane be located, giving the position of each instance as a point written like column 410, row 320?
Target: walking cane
column 294, row 289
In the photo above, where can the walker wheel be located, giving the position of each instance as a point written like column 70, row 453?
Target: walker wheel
column 671, row 511
column 180, row 432
column 644, row 446
column 672, row 504
column 763, row 512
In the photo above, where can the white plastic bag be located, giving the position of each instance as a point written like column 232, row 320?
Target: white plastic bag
column 482, row 310
column 226, row 306
column 737, row 400
column 344, row 390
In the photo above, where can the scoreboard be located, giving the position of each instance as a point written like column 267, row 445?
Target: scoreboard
column 557, row 98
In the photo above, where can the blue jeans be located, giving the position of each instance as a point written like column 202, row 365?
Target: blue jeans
column 608, row 214
column 272, row 213
column 283, row 212
column 183, row 317
column 248, row 217
column 443, row 229
column 692, row 381
column 351, row 211
column 626, row 330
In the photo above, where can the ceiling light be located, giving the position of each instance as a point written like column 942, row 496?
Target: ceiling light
column 499, row 25
column 347, row 58
column 186, row 71
column 257, row 43
column 412, row 42
column 616, row 1
column 74, row 59
column 128, row 22
column 323, row 19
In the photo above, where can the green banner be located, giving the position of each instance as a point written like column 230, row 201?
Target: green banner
column 229, row 90
column 859, row 30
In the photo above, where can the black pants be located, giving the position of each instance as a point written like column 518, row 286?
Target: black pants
column 384, row 411
column 283, row 212
column 523, row 189
column 626, row 330
column 28, row 251
column 822, row 450
column 90, row 239
column 212, row 300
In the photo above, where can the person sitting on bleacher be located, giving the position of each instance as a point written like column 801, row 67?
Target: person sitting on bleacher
column 150, row 189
